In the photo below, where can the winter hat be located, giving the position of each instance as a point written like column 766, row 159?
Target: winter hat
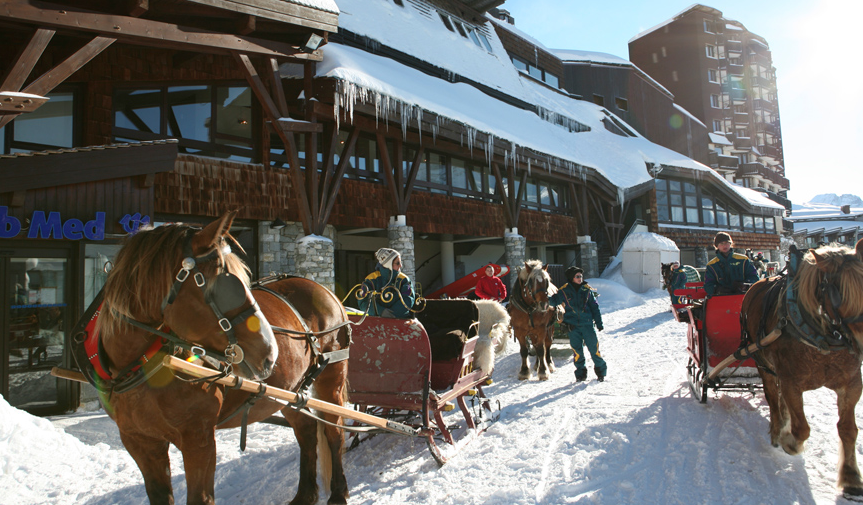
column 385, row 257
column 571, row 271
column 720, row 238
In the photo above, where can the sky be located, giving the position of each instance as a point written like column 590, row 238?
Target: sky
column 638, row 438
column 820, row 93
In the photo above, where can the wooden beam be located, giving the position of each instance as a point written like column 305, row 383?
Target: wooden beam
column 18, row 103
column 387, row 168
column 50, row 79
column 344, row 161
column 137, row 8
column 145, row 32
column 297, row 126
column 412, row 177
column 275, row 80
column 246, row 25
column 503, row 195
column 271, row 113
column 25, row 60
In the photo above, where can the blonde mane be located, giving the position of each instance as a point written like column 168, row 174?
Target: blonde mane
column 836, row 261
column 144, row 272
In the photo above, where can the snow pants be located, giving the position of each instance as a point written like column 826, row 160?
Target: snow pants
column 579, row 336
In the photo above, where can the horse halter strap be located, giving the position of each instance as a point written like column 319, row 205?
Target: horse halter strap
column 227, row 293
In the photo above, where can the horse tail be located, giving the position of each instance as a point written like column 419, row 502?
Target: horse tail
column 325, row 457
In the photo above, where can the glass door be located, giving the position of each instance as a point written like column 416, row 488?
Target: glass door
column 36, row 314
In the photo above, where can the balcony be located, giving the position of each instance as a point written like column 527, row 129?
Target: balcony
column 763, row 82
column 760, row 103
column 735, row 68
column 772, row 151
column 742, row 142
column 766, row 128
column 722, row 162
column 781, row 200
column 759, row 170
column 741, row 117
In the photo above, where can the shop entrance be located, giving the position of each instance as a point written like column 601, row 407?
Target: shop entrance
column 36, row 312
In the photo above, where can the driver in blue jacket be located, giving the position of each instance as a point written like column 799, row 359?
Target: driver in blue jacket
column 581, row 313
column 387, row 292
column 728, row 272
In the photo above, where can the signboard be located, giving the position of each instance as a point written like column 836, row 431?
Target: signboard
column 52, row 225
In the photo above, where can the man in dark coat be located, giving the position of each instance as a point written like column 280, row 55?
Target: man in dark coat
column 581, row 313
column 728, row 271
column 387, row 292
column 678, row 281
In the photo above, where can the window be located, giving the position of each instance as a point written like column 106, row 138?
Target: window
column 460, row 28
column 712, row 75
column 710, row 51
column 674, row 75
column 655, row 59
column 621, row 103
column 664, row 52
column 209, row 120
column 677, row 202
column 534, row 72
column 714, row 102
column 446, row 21
column 484, row 41
column 741, row 133
column 742, row 158
column 709, row 26
column 599, row 100
column 552, row 80
column 53, row 125
column 519, row 64
column 717, row 126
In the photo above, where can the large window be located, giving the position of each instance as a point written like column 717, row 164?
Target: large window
column 53, row 125
column 684, row 203
column 210, row 120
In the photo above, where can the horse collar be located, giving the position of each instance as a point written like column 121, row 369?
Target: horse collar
column 836, row 340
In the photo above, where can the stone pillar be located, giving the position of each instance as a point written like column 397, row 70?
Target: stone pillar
column 700, row 257
column 589, row 256
column 315, row 260
column 447, row 260
column 514, row 245
column 401, row 238
column 271, row 256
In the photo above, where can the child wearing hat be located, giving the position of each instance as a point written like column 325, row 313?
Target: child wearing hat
column 387, row 292
column 581, row 313
column 728, row 271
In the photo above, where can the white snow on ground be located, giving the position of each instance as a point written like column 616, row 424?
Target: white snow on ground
column 638, row 438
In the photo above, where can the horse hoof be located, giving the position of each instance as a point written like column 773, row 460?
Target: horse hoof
column 790, row 445
column 853, row 493
column 523, row 376
column 542, row 376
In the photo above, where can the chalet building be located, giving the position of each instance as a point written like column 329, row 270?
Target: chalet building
column 334, row 127
column 724, row 75
column 816, row 224
column 686, row 205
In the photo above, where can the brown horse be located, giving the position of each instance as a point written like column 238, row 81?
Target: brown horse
column 147, row 285
column 820, row 346
column 532, row 317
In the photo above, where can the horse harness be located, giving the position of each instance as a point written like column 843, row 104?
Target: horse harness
column 227, row 293
column 801, row 325
column 519, row 301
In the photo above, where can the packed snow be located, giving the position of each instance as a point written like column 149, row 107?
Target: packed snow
column 638, row 438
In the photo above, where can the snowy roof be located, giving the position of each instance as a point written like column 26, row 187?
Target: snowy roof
column 831, row 226
column 718, row 138
column 589, row 56
column 688, row 114
column 321, row 5
column 811, row 211
column 672, row 19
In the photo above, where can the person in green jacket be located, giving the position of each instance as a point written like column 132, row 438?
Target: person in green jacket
column 581, row 313
column 728, row 272
column 387, row 292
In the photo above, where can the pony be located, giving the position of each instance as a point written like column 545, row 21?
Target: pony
column 818, row 307
column 532, row 317
column 278, row 335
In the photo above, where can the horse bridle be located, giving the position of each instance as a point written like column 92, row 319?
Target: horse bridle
column 520, row 302
column 226, row 294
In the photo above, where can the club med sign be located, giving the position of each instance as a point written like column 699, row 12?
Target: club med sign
column 51, row 225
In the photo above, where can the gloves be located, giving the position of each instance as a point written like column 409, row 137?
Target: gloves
column 599, row 327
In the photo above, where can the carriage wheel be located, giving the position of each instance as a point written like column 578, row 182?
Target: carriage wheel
column 696, row 381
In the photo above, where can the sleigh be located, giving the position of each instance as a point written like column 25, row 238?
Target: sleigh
column 712, row 335
column 416, row 371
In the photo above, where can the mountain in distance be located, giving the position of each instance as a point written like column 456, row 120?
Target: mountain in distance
column 834, row 199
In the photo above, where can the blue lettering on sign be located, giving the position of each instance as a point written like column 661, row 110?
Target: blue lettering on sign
column 44, row 227
column 52, row 226
column 9, row 225
column 131, row 223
